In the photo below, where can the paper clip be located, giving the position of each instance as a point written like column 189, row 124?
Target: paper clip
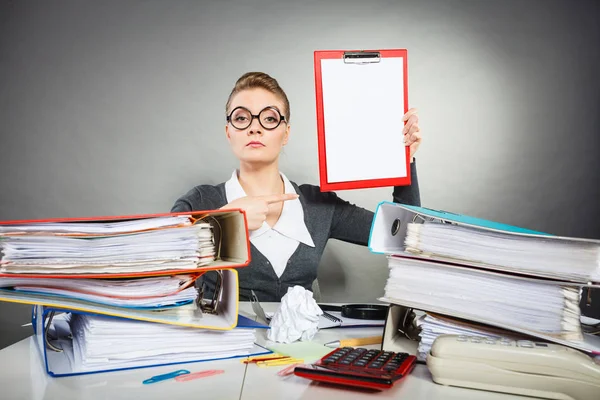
column 164, row 377
column 197, row 375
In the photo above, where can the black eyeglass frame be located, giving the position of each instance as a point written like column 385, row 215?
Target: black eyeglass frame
column 257, row 116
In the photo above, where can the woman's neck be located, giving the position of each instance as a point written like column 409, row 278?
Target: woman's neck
column 262, row 180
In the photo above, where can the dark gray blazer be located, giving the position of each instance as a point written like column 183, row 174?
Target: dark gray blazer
column 326, row 216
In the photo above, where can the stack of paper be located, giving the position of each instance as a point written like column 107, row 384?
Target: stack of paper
column 554, row 257
column 151, row 292
column 104, row 343
column 487, row 272
column 142, row 245
column 432, row 326
column 534, row 305
column 128, row 285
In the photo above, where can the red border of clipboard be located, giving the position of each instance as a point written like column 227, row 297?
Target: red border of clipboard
column 360, row 184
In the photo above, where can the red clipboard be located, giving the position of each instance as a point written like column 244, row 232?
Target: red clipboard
column 235, row 251
column 346, row 172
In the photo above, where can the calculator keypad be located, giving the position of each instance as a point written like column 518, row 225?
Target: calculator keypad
column 372, row 361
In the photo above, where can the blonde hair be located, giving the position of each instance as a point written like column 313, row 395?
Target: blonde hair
column 260, row 80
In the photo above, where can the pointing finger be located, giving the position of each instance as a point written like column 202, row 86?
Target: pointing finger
column 280, row 197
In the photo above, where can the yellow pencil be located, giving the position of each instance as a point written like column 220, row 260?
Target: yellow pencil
column 355, row 342
column 273, row 363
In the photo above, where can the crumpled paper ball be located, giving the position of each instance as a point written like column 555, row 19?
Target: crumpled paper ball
column 296, row 318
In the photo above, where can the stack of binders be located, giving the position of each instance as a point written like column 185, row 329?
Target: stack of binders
column 479, row 275
column 113, row 293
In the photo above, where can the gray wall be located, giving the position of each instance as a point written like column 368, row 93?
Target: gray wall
column 116, row 107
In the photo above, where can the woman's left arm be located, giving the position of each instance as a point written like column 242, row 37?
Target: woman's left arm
column 352, row 223
column 412, row 138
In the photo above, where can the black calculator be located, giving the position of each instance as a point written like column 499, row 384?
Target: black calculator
column 367, row 368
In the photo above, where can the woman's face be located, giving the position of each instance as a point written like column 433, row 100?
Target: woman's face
column 255, row 143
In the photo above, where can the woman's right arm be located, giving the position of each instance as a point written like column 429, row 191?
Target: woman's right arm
column 204, row 197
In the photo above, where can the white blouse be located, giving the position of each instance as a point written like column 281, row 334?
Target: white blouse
column 279, row 242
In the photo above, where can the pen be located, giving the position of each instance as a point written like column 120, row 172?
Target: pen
column 355, row 342
column 266, row 357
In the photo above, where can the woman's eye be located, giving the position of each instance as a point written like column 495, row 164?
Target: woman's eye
column 270, row 119
column 241, row 118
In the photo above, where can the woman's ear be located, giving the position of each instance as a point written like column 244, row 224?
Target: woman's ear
column 286, row 135
column 227, row 133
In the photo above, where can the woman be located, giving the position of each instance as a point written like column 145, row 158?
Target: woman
column 289, row 224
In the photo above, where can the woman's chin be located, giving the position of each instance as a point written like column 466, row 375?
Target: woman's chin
column 258, row 159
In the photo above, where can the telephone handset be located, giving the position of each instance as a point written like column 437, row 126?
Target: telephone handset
column 521, row 367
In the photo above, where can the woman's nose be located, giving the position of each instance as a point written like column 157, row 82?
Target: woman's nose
column 254, row 127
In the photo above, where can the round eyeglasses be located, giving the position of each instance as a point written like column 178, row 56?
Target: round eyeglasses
column 269, row 118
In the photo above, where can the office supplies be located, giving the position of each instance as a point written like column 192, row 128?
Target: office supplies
column 359, row 92
column 522, row 304
column 289, row 370
column 399, row 324
column 225, row 319
column 85, row 247
column 549, row 307
column 76, row 343
column 278, row 363
column 416, row 232
column 433, row 325
column 353, row 342
column 151, row 292
column 308, row 351
column 198, row 375
column 329, row 319
column 252, row 360
column 364, row 311
column 164, row 377
column 330, row 307
column 373, row 369
column 333, row 319
column 521, row 367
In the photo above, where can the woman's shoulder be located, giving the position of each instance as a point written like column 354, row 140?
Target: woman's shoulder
column 313, row 194
column 202, row 197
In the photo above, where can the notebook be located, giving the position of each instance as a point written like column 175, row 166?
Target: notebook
column 334, row 319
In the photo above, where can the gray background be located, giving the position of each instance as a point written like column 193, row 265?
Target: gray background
column 116, row 107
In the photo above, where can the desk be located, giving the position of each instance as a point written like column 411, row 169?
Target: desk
column 22, row 377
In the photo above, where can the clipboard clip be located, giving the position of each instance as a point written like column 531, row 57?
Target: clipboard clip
column 361, row 57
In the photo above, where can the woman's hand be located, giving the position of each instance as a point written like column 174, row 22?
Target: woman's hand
column 411, row 131
column 257, row 207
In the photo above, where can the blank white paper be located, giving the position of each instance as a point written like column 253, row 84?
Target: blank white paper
column 363, row 105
